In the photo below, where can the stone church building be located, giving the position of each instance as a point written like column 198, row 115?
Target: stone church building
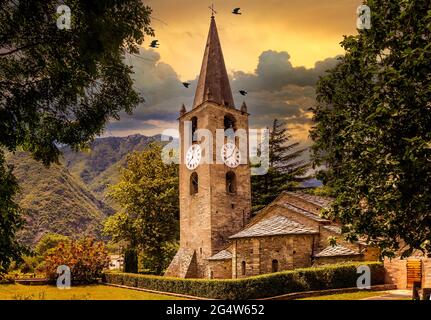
column 218, row 237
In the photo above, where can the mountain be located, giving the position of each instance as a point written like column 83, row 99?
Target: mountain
column 69, row 198
column 99, row 166
column 55, row 201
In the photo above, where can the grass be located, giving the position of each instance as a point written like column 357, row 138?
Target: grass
column 349, row 296
column 95, row 292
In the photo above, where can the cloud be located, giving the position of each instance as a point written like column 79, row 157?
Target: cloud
column 276, row 89
column 279, row 90
column 275, row 71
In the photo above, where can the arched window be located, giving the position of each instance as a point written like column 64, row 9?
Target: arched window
column 243, row 268
column 230, row 182
column 274, row 265
column 194, row 126
column 229, row 122
column 194, row 183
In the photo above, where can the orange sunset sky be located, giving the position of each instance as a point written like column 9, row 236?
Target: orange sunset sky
column 275, row 50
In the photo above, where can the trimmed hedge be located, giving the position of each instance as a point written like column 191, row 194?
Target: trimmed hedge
column 300, row 280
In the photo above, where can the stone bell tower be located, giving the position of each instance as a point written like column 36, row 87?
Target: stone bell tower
column 215, row 191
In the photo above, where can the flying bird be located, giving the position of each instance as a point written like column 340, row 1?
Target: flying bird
column 186, row 84
column 236, row 11
column 244, row 93
column 154, row 44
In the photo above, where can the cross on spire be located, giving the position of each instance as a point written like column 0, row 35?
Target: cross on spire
column 213, row 12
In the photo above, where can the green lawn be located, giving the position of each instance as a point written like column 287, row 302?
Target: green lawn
column 349, row 296
column 95, row 292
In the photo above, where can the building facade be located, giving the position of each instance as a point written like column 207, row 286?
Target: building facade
column 218, row 238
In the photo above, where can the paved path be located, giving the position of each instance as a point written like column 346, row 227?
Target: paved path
column 393, row 295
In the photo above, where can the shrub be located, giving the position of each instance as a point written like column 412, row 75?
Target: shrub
column 7, row 279
column 85, row 258
column 301, row 280
column 29, row 264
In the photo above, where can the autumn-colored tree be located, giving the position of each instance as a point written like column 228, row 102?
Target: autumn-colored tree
column 149, row 197
column 86, row 259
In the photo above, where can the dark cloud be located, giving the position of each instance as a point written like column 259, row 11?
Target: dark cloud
column 276, row 89
column 275, row 71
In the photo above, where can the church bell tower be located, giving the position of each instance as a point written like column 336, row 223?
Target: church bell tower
column 215, row 190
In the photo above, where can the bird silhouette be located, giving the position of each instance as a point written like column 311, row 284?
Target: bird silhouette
column 186, row 84
column 154, row 44
column 244, row 93
column 236, row 11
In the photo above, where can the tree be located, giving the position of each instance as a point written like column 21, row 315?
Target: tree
column 286, row 168
column 373, row 129
column 48, row 242
column 86, row 259
column 60, row 87
column 131, row 263
column 149, row 197
column 10, row 221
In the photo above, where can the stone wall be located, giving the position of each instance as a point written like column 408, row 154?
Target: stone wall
column 184, row 264
column 426, row 273
column 396, row 272
column 220, row 269
column 259, row 254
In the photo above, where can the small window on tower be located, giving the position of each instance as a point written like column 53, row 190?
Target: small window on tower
column 229, row 122
column 194, row 183
column 243, row 268
column 194, row 127
column 230, row 182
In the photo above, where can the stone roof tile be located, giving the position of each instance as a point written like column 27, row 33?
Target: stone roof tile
column 336, row 251
column 222, row 255
column 274, row 226
column 323, row 202
column 304, row 212
column 333, row 228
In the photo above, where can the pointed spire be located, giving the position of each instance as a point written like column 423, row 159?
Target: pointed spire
column 213, row 84
column 183, row 110
column 244, row 107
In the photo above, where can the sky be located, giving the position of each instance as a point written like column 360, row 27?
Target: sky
column 276, row 51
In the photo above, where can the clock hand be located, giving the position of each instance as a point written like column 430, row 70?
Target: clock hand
column 231, row 154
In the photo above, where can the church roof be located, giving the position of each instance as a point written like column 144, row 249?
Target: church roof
column 336, row 251
column 222, row 255
column 334, row 229
column 274, row 226
column 323, row 202
column 213, row 84
column 306, row 213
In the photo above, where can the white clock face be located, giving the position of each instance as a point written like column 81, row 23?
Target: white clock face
column 193, row 157
column 231, row 155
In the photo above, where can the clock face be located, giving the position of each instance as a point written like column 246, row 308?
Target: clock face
column 231, row 155
column 193, row 157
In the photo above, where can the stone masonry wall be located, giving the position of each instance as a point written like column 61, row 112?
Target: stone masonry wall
column 291, row 252
column 220, row 269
